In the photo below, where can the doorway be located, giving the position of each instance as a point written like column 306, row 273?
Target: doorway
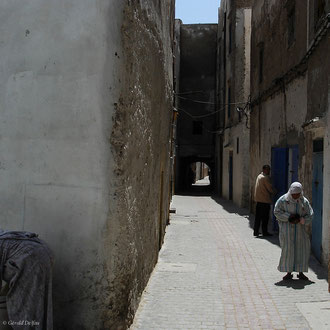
column 202, row 174
column 231, row 169
column 284, row 171
column 317, row 198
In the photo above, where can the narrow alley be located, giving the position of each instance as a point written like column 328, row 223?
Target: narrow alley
column 113, row 113
column 213, row 274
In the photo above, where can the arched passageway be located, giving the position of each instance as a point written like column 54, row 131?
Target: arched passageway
column 202, row 174
column 195, row 102
column 195, row 175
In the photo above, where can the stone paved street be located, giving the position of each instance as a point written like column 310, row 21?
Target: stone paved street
column 213, row 274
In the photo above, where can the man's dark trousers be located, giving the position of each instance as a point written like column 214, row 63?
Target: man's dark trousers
column 262, row 215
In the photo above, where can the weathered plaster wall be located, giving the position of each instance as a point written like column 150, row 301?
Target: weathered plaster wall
column 196, row 97
column 177, row 56
column 278, row 123
column 270, row 30
column 220, row 90
column 238, row 135
column 197, row 73
column 242, row 92
column 141, row 140
column 85, row 102
column 326, row 188
column 318, row 78
column 236, row 76
column 228, row 146
column 276, row 118
column 309, row 81
column 318, row 106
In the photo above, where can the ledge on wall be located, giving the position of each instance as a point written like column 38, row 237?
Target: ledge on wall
column 315, row 123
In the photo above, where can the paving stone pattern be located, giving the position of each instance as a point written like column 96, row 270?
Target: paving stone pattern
column 213, row 274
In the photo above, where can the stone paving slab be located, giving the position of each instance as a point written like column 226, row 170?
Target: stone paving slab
column 317, row 314
column 213, row 274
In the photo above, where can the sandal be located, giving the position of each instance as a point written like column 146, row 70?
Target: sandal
column 288, row 276
column 302, row 276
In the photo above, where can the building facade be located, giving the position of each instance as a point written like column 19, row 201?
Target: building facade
column 317, row 128
column 86, row 109
column 195, row 99
column 289, row 103
column 233, row 91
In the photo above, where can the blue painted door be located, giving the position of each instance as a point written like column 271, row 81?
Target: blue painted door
column 279, row 173
column 294, row 164
column 317, row 196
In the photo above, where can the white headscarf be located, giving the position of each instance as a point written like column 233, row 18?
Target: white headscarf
column 295, row 188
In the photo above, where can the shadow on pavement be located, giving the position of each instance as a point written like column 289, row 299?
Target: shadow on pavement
column 272, row 239
column 197, row 191
column 318, row 269
column 314, row 264
column 230, row 207
column 294, row 284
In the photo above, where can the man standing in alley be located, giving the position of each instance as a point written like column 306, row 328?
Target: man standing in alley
column 263, row 197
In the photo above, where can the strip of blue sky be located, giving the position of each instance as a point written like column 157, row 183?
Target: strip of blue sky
column 197, row 11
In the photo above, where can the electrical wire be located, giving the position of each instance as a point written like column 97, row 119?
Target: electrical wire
column 205, row 102
column 202, row 124
column 190, row 92
column 201, row 116
column 214, row 112
column 246, row 104
column 195, row 101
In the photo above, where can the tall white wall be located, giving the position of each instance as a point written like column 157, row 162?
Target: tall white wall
column 59, row 74
column 58, row 84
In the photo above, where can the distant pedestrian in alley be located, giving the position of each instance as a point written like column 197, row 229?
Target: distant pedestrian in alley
column 293, row 212
column 263, row 196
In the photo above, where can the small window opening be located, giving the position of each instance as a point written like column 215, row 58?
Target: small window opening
column 318, row 145
column 230, row 38
column 261, row 63
column 229, row 102
column 291, row 26
column 197, row 128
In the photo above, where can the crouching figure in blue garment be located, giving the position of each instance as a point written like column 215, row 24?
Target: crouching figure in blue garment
column 294, row 212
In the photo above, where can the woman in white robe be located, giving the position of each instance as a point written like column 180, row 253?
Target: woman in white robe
column 294, row 212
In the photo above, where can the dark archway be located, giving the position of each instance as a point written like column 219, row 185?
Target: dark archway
column 195, row 102
column 202, row 173
column 187, row 175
